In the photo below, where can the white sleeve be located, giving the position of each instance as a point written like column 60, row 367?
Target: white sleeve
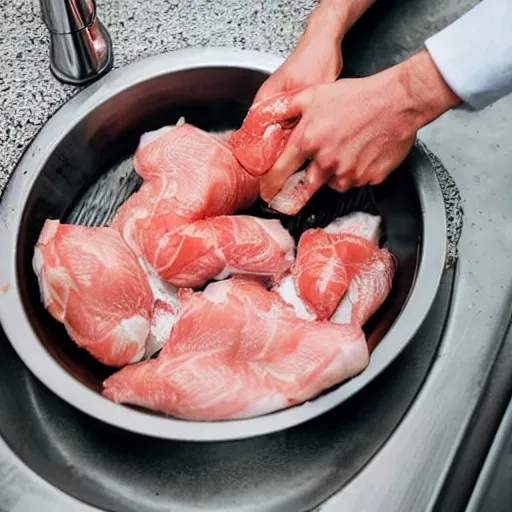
column 474, row 54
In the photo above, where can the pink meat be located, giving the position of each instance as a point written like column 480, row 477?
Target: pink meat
column 327, row 260
column 264, row 133
column 227, row 306
column 188, row 175
column 221, row 246
column 238, row 351
column 92, row 283
column 368, row 289
column 155, row 202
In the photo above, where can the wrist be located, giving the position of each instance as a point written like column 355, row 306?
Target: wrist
column 329, row 19
column 337, row 16
column 426, row 92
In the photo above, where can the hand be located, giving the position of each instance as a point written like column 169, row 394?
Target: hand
column 316, row 60
column 355, row 131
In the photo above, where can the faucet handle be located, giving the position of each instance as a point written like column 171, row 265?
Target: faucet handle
column 81, row 48
column 66, row 16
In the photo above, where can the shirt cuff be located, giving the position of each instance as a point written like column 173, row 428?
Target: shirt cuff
column 474, row 54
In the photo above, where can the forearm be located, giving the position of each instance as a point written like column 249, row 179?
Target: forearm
column 425, row 94
column 336, row 17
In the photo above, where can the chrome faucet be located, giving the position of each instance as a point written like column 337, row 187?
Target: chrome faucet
column 81, row 49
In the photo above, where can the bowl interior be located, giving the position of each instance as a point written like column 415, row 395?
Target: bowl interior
column 214, row 99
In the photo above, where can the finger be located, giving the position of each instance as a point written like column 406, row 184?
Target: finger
column 299, row 188
column 266, row 90
column 380, row 170
column 377, row 179
column 340, row 183
column 289, row 104
column 290, row 160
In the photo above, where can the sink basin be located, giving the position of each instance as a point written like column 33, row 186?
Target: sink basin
column 101, row 126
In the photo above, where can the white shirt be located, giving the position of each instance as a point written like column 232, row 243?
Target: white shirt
column 474, row 54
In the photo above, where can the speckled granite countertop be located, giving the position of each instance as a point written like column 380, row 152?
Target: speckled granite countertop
column 29, row 94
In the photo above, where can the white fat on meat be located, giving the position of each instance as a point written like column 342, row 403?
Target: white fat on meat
column 286, row 290
column 357, row 223
column 148, row 137
column 274, row 228
column 131, row 330
column 162, row 323
column 278, row 107
column 165, row 317
column 286, row 200
column 217, row 292
column 263, row 406
column 343, row 313
column 269, row 131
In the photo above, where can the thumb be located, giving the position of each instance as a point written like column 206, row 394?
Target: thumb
column 264, row 92
column 286, row 106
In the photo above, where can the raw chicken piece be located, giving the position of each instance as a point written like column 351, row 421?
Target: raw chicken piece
column 165, row 315
column 327, row 259
column 188, row 175
column 92, row 283
column 324, row 267
column 368, row 289
column 239, row 351
column 263, row 135
column 358, row 224
column 259, row 143
column 220, row 246
column 227, row 308
column 155, row 201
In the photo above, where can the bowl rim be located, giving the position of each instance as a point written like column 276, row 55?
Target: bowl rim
column 30, row 349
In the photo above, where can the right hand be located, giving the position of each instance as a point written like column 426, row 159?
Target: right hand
column 355, row 131
column 316, row 60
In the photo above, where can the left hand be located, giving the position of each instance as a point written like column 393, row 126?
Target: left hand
column 316, row 60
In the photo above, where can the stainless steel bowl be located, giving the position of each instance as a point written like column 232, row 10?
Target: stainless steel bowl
column 101, row 125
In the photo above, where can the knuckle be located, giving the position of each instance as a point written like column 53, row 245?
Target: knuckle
column 339, row 184
column 308, row 140
column 327, row 159
column 361, row 177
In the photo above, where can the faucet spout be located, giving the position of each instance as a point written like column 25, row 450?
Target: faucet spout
column 80, row 45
